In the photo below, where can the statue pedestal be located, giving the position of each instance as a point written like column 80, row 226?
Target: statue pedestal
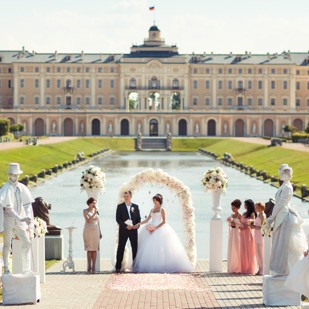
column 38, row 249
column 54, row 247
column 215, row 252
column 276, row 294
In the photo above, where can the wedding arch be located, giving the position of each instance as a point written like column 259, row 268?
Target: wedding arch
column 157, row 176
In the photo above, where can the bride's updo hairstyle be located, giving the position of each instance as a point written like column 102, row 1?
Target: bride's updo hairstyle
column 158, row 197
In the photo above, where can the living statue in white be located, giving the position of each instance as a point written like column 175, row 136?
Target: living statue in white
column 289, row 240
column 17, row 217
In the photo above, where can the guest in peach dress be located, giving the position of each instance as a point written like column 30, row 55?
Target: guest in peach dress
column 247, row 250
column 258, row 238
column 233, row 251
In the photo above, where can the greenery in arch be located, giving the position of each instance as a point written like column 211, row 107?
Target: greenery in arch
column 175, row 103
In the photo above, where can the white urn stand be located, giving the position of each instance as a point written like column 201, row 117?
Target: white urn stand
column 216, row 233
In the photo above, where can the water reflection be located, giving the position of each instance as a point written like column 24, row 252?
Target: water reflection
column 64, row 194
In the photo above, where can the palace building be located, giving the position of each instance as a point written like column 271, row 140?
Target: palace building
column 154, row 90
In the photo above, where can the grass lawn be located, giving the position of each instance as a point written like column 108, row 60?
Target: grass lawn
column 266, row 158
column 33, row 159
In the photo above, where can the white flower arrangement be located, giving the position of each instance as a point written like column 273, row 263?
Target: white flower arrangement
column 40, row 227
column 92, row 178
column 215, row 179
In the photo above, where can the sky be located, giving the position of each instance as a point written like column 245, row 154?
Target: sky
column 219, row 26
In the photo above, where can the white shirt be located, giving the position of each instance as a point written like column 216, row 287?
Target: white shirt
column 128, row 208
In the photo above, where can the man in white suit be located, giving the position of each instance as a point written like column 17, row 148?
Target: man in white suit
column 16, row 219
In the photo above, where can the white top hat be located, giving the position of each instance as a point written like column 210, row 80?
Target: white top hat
column 14, row 169
column 284, row 167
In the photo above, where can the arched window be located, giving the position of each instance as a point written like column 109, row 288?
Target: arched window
column 175, row 83
column 132, row 83
column 154, row 83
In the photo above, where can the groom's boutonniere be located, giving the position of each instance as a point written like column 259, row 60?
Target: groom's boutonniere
column 132, row 209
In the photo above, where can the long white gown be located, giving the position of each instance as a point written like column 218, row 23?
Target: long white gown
column 160, row 251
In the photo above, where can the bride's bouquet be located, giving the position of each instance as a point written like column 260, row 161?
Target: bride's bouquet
column 92, row 178
column 215, row 179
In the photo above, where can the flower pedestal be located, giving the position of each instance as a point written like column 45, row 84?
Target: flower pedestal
column 69, row 262
column 216, row 233
column 38, row 249
column 266, row 257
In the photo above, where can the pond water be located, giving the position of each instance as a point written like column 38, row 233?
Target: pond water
column 63, row 192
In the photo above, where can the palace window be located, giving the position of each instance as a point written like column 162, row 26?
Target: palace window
column 132, row 83
column 21, row 100
column 298, row 102
column 273, row 71
column 260, row 101
column 112, row 70
column 249, row 84
column 240, row 71
column 195, row 84
column 22, row 69
column 47, row 83
column 78, row 83
column 194, row 71
column 240, row 84
column 112, row 83
column 207, row 84
column 207, row 71
column 250, row 101
column 48, row 100
column 48, row 69
column 230, row 71
column 285, row 84
column 100, row 70
column 22, row 83
column 273, row 84
column 230, row 84
column 9, row 70
column 220, row 84
column 195, row 100
column 229, row 101
column 100, row 83
column 220, row 71
column 58, row 100
column 207, row 101
column 87, row 70
column 87, row 100
column 58, row 69
column 272, row 101
column 36, row 83
column 298, row 85
column 220, row 101
column 36, row 100
column 260, row 71
column 285, row 101
column 297, row 72
column 78, row 70
column 249, row 71
column 175, row 83
column 78, row 100
column 87, row 83
column 100, row 100
column 308, row 85
column 111, row 100
column 285, row 71
column 36, row 69
column 10, row 84
column 307, row 102
column 58, row 83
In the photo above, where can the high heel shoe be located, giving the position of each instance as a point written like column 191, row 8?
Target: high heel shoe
column 93, row 271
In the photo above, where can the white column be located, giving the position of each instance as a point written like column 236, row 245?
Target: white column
column 93, row 87
column 216, row 236
column 219, row 127
column 214, row 92
column 42, row 91
column 292, row 91
column 16, row 87
column 122, row 92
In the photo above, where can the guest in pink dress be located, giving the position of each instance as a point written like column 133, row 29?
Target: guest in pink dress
column 258, row 238
column 247, row 250
column 233, row 251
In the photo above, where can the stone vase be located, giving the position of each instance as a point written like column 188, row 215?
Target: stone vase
column 216, row 204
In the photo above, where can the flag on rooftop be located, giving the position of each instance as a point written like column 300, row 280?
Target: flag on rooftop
column 151, row 8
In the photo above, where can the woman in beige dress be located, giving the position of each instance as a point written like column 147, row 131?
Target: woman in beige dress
column 91, row 234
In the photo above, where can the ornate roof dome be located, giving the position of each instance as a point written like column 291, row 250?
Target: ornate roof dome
column 154, row 28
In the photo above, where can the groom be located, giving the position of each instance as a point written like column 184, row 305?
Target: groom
column 127, row 216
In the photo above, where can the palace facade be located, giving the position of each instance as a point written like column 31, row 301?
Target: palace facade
column 154, row 90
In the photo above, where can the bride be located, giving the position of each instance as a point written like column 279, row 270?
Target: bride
column 159, row 248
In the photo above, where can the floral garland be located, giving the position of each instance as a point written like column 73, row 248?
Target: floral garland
column 182, row 191
column 215, row 179
column 92, row 178
column 40, row 227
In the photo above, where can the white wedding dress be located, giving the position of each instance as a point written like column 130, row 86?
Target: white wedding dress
column 160, row 251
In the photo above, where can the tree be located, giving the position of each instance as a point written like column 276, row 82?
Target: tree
column 16, row 128
column 289, row 128
column 4, row 126
column 307, row 128
column 176, row 101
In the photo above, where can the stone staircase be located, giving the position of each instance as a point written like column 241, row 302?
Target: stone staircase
column 154, row 143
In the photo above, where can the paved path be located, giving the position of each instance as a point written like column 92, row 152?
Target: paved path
column 201, row 289
column 43, row 141
column 262, row 141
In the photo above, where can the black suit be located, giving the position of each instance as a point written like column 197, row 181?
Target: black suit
column 122, row 215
